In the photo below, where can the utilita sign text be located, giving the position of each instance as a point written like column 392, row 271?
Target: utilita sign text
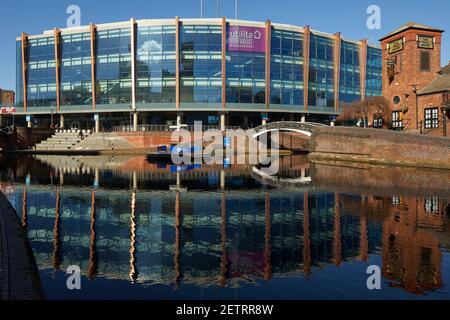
column 246, row 39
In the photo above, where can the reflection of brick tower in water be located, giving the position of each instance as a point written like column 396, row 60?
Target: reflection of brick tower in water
column 411, row 255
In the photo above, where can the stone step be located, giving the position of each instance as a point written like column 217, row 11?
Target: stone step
column 59, row 142
column 56, row 145
column 52, row 149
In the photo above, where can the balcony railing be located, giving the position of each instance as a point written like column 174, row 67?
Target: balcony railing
column 162, row 128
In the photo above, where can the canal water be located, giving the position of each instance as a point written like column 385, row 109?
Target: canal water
column 154, row 231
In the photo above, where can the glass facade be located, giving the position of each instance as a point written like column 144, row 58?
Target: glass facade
column 321, row 74
column 246, row 77
column 156, row 64
column 200, row 70
column 114, row 67
column 41, row 73
column 201, row 64
column 350, row 81
column 286, row 70
column 76, row 73
column 373, row 73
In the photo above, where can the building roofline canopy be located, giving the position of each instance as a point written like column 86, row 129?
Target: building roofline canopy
column 218, row 21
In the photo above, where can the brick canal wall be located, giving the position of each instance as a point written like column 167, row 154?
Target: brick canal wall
column 379, row 147
column 19, row 276
column 24, row 138
column 144, row 140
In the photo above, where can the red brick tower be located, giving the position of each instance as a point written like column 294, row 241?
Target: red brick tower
column 411, row 60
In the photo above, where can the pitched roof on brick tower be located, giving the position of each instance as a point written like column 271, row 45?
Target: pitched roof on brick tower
column 411, row 25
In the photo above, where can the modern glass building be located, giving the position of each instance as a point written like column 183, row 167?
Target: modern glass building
column 214, row 70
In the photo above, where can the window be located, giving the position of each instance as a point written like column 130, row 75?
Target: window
column 431, row 118
column 397, row 100
column 432, row 205
column 397, row 120
column 377, row 121
column 424, row 61
column 396, row 201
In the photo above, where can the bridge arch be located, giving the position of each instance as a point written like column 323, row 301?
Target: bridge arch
column 305, row 128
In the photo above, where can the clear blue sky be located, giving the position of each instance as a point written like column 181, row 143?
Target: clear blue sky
column 348, row 17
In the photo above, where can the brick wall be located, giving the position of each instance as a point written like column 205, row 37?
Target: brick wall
column 7, row 98
column 408, row 73
column 433, row 101
column 294, row 141
column 25, row 138
column 380, row 146
column 143, row 140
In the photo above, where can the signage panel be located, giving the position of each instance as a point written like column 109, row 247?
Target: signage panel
column 246, row 39
column 395, row 46
column 425, row 42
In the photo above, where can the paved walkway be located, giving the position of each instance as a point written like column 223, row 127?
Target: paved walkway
column 19, row 277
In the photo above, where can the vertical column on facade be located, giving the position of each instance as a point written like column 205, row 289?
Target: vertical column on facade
column 363, row 66
column 57, row 36
column 224, row 63
column 224, row 74
column 93, row 31
column 133, row 29
column 306, row 42
column 337, row 68
column 268, row 58
column 177, row 62
column 24, row 45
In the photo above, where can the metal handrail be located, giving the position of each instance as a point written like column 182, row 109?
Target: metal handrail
column 162, row 128
column 424, row 130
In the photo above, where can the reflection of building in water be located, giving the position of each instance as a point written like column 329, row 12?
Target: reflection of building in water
column 92, row 265
column 411, row 254
column 208, row 238
column 56, row 233
column 128, row 225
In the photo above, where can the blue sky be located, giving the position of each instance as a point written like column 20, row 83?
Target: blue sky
column 348, row 17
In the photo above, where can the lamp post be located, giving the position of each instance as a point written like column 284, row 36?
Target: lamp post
column 131, row 117
column 52, row 110
column 445, row 107
column 415, row 91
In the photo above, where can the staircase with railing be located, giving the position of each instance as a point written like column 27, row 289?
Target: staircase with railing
column 62, row 141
